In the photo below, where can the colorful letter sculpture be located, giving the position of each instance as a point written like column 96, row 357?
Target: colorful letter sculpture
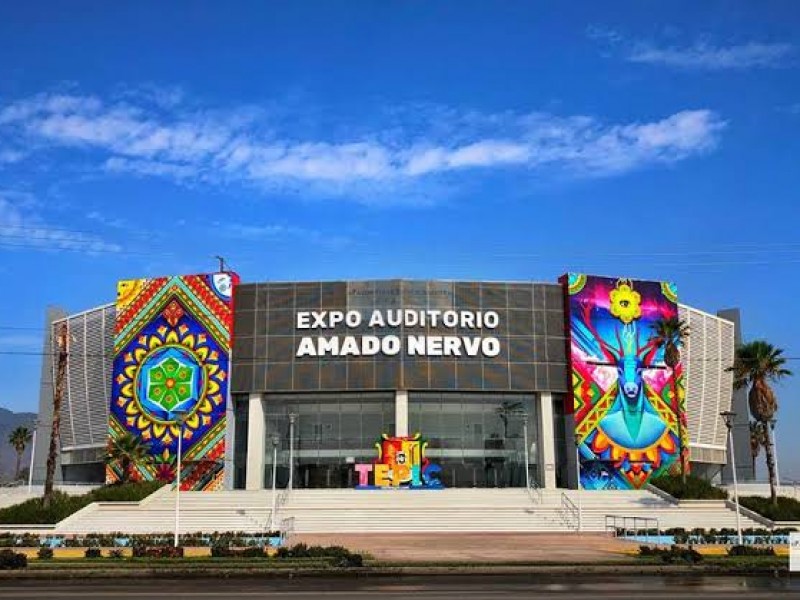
column 401, row 463
column 626, row 401
column 172, row 355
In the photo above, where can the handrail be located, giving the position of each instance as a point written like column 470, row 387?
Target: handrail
column 569, row 512
column 286, row 527
column 657, row 491
column 534, row 491
column 614, row 525
column 283, row 497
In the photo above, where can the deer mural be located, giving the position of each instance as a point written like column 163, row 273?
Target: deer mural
column 631, row 421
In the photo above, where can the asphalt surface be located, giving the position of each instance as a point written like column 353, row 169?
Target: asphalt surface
column 507, row 587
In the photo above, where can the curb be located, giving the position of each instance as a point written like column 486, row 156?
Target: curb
column 172, row 572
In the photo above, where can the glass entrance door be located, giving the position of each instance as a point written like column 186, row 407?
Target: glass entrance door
column 477, row 439
column 331, row 433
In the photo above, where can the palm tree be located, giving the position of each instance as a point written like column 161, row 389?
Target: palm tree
column 62, row 354
column 757, row 440
column 129, row 450
column 756, row 364
column 19, row 439
column 670, row 334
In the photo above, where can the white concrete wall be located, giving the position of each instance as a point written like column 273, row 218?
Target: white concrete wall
column 401, row 413
column 547, row 441
column 255, row 443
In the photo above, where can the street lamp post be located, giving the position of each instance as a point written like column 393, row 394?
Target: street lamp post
column 292, row 419
column 729, row 417
column 527, row 450
column 33, row 453
column 275, row 441
column 773, row 440
column 578, row 480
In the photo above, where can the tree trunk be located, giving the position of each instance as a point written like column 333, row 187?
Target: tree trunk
column 680, row 427
column 126, row 469
column 19, row 461
column 55, row 432
column 769, row 451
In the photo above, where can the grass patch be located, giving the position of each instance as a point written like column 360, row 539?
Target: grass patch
column 695, row 488
column 32, row 512
column 788, row 509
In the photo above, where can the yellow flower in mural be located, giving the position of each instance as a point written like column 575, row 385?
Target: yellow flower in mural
column 625, row 302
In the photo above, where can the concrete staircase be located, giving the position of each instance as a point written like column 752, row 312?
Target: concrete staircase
column 365, row 511
column 200, row 511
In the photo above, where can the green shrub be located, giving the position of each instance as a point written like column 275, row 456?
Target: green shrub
column 219, row 551
column 62, row 505
column 157, row 552
column 45, row 553
column 12, row 560
column 675, row 554
column 751, row 551
column 93, row 553
column 695, row 488
column 788, row 509
column 18, row 540
column 342, row 557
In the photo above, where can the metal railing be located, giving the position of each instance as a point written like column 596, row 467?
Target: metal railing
column 534, row 491
column 283, row 497
column 568, row 512
column 287, row 527
column 629, row 524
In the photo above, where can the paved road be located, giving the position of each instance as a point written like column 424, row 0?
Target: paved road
column 507, row 587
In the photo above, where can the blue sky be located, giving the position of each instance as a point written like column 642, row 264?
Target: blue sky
column 326, row 140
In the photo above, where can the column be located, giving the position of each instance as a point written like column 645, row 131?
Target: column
column 401, row 413
column 256, row 440
column 547, row 441
column 230, row 443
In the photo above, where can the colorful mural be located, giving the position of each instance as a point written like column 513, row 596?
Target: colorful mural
column 172, row 353
column 401, row 463
column 626, row 401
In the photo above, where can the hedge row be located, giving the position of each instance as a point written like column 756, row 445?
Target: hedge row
column 107, row 540
column 33, row 512
column 675, row 554
column 695, row 488
column 788, row 509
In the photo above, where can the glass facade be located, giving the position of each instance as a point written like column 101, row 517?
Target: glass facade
column 331, row 433
column 477, row 439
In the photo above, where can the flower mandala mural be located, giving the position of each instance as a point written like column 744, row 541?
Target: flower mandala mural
column 172, row 358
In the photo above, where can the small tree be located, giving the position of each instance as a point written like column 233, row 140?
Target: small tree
column 128, row 450
column 670, row 334
column 19, row 439
column 756, row 364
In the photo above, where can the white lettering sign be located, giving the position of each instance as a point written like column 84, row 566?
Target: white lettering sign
column 454, row 343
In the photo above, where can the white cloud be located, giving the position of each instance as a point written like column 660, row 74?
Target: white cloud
column 704, row 56
column 21, row 227
column 276, row 232
column 202, row 146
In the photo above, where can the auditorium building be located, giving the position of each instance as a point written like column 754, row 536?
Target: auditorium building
column 391, row 383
